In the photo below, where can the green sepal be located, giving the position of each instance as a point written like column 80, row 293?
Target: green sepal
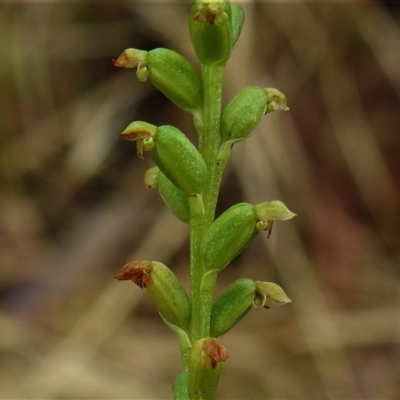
column 184, row 342
column 231, row 306
column 204, row 368
column 269, row 293
column 237, row 22
column 174, row 198
column 243, row 113
column 228, row 235
column 169, row 72
column 210, row 27
column 271, row 211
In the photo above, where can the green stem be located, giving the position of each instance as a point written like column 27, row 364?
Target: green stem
column 200, row 221
column 180, row 387
column 212, row 85
column 196, row 266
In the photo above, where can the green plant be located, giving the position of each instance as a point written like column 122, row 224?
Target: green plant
column 189, row 179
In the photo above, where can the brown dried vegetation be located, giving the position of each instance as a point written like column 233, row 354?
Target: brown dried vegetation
column 73, row 207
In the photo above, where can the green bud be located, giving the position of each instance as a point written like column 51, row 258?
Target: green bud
column 174, row 198
column 271, row 211
column 176, row 78
column 231, row 306
column 204, row 368
column 169, row 296
column 169, row 72
column 243, row 113
column 151, row 178
column 269, row 293
column 211, row 32
column 172, row 151
column 164, row 288
column 229, row 234
column 179, row 160
column 276, row 100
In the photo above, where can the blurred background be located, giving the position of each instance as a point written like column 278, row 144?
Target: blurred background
column 73, row 207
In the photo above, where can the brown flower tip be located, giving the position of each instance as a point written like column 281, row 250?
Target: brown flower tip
column 121, row 61
column 215, row 350
column 133, row 136
column 139, row 130
column 136, row 271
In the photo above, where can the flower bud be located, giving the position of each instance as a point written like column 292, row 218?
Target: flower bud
column 204, row 367
column 269, row 293
column 179, row 160
column 169, row 72
column 176, row 78
column 164, row 288
column 211, row 32
column 229, row 234
column 231, row 306
column 243, row 113
column 173, row 152
column 174, row 198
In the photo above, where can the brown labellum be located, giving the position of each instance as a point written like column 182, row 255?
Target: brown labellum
column 136, row 271
column 215, row 350
column 122, row 61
